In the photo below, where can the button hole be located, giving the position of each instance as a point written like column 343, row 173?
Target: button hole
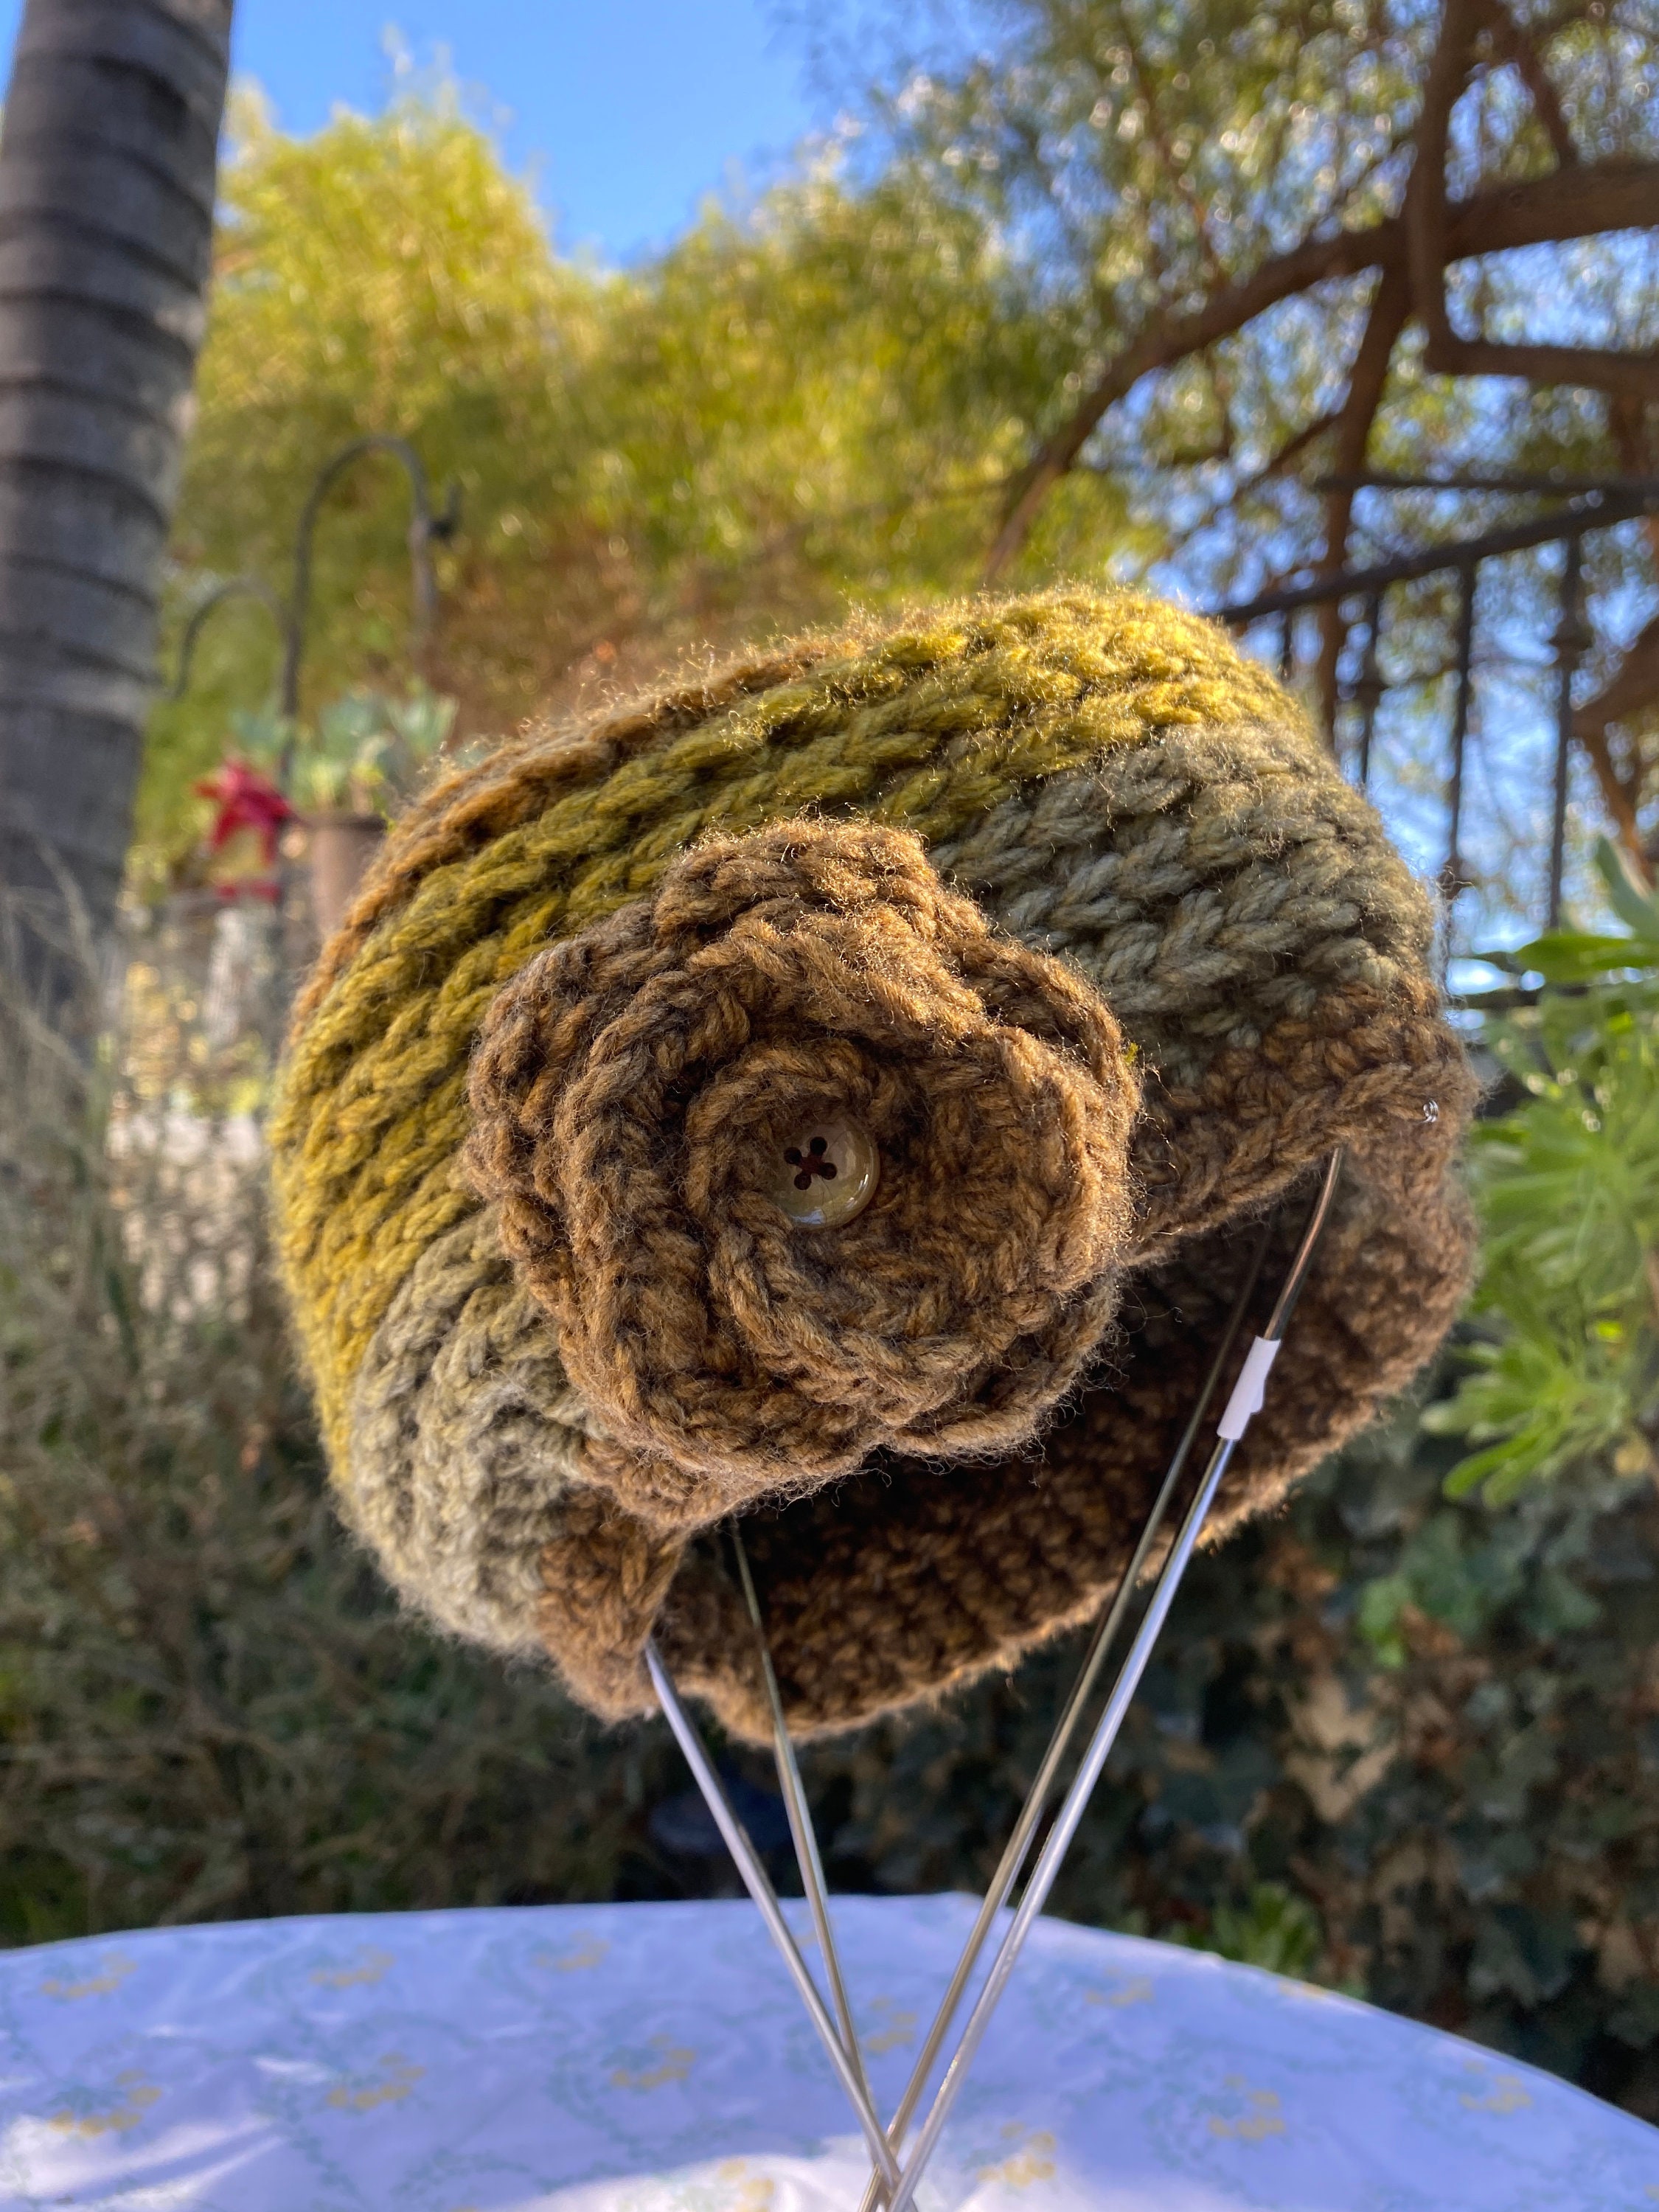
column 810, row 1163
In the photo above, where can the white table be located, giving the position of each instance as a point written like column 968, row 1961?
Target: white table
column 654, row 2058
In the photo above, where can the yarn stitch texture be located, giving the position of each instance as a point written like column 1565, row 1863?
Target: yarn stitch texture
column 632, row 1096
column 1099, row 786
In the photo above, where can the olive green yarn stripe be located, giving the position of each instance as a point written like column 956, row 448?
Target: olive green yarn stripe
column 370, row 1122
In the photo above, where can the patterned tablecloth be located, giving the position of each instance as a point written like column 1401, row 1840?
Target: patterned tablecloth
column 654, row 2058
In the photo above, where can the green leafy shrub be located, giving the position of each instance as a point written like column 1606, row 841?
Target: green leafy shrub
column 1568, row 1182
column 207, row 1706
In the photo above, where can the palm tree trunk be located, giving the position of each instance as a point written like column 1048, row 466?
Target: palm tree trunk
column 107, row 160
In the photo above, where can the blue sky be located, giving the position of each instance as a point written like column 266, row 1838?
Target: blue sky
column 630, row 110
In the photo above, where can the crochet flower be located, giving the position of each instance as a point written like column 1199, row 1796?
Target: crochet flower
column 660, row 1104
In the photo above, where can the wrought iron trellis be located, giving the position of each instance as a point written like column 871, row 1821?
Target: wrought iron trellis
column 426, row 526
column 1593, row 504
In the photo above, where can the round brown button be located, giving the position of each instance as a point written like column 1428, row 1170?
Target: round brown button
column 828, row 1175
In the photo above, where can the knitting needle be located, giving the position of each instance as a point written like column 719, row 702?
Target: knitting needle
column 1105, row 1636
column 1245, row 1402
column 760, row 1888
column 800, row 1818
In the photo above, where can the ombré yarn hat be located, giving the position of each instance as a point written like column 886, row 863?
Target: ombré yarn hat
column 842, row 1090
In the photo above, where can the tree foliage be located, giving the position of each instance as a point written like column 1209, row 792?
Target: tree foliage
column 816, row 393
column 1316, row 233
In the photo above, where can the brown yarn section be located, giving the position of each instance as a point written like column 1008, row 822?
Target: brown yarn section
column 1381, row 1075
column 912, row 1575
column 633, row 1091
column 914, row 1579
column 606, row 1576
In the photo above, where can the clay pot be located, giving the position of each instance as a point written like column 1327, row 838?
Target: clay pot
column 342, row 845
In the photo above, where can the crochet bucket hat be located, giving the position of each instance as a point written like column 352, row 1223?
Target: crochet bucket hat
column 846, row 1090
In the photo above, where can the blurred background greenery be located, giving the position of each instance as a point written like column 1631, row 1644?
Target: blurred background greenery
column 1403, row 1739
